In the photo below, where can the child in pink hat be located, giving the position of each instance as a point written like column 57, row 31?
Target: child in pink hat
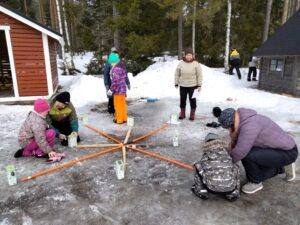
column 34, row 137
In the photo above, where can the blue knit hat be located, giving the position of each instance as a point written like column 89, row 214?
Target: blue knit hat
column 113, row 58
column 225, row 117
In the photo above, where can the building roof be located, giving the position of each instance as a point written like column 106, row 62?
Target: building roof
column 30, row 22
column 285, row 41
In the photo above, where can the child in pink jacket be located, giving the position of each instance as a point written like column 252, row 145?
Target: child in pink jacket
column 34, row 137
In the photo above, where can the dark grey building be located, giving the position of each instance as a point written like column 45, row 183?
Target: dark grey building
column 280, row 59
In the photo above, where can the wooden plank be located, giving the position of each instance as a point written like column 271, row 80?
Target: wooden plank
column 30, row 62
column 24, row 31
column 31, row 57
column 27, row 44
column 30, row 86
column 20, row 39
column 33, row 82
column 27, row 36
column 24, row 73
column 23, row 53
column 28, row 49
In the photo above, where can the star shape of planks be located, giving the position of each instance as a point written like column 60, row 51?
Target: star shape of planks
column 118, row 146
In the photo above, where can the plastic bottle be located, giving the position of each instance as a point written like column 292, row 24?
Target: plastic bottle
column 11, row 175
column 175, row 138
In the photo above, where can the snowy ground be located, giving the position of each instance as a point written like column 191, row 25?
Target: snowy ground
column 154, row 192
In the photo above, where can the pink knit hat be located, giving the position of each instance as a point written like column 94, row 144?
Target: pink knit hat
column 41, row 105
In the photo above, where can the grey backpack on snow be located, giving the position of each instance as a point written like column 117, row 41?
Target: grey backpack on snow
column 215, row 172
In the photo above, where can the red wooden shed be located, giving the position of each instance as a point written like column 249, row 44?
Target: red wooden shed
column 28, row 67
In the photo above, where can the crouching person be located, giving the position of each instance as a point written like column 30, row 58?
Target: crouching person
column 215, row 172
column 63, row 118
column 34, row 137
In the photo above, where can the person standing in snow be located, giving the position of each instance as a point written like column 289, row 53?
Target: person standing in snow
column 34, row 137
column 188, row 76
column 235, row 61
column 118, row 88
column 107, row 80
column 63, row 117
column 263, row 147
column 252, row 67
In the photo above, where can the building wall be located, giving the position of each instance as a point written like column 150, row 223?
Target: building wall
column 28, row 55
column 278, row 81
column 297, row 75
column 52, row 51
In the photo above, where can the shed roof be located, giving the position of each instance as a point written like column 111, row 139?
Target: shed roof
column 285, row 41
column 30, row 22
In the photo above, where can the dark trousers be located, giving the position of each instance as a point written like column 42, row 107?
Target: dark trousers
column 237, row 68
column 184, row 91
column 252, row 70
column 63, row 127
column 263, row 163
column 110, row 105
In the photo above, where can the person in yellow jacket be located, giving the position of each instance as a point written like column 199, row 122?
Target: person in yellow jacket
column 235, row 61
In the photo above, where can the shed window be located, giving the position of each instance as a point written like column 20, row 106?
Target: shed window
column 277, row 65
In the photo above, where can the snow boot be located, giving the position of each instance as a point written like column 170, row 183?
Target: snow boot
column 192, row 114
column 182, row 114
column 19, row 153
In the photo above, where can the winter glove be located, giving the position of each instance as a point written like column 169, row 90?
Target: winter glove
column 128, row 86
column 213, row 124
column 56, row 158
column 109, row 93
column 176, row 85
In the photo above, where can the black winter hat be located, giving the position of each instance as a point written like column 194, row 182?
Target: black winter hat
column 63, row 97
column 188, row 51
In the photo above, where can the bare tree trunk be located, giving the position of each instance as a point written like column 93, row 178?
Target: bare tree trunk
column 53, row 15
column 61, row 31
column 41, row 11
column 25, row 7
column 180, row 31
column 116, row 32
column 267, row 20
column 194, row 26
column 67, row 34
column 285, row 11
column 227, row 44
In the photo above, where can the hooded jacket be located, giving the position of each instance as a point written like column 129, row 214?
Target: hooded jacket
column 256, row 130
column 34, row 127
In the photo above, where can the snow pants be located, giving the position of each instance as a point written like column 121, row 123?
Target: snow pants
column 120, row 108
column 237, row 68
column 110, row 105
column 254, row 71
column 34, row 149
column 184, row 91
column 263, row 163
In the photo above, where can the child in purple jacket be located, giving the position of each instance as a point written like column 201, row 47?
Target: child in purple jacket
column 263, row 147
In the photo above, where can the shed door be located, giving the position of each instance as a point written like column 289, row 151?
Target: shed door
column 6, row 81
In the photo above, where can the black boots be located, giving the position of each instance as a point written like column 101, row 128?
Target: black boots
column 182, row 114
column 192, row 114
column 19, row 153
